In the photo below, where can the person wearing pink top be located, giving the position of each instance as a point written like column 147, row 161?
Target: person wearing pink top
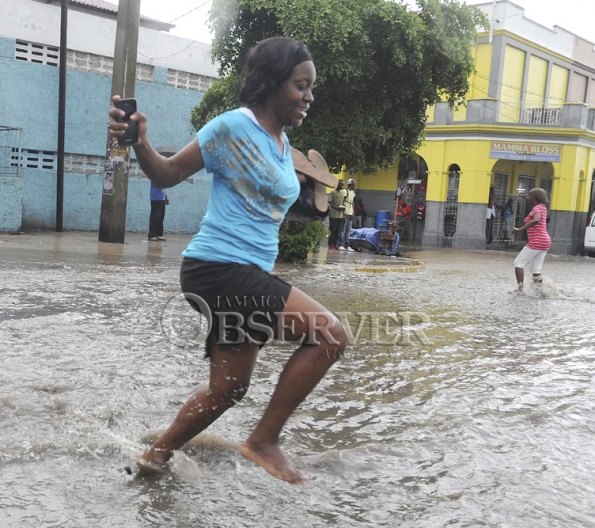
column 539, row 241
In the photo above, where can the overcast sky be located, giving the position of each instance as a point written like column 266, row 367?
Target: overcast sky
column 577, row 16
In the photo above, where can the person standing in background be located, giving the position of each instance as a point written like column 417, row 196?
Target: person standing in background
column 507, row 212
column 401, row 190
column 159, row 200
column 336, row 216
column 490, row 216
column 359, row 214
column 349, row 209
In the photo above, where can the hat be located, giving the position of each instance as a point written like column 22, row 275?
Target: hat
column 540, row 195
column 314, row 166
column 350, row 181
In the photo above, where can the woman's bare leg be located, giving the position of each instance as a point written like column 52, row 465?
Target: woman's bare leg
column 230, row 375
column 520, row 278
column 303, row 371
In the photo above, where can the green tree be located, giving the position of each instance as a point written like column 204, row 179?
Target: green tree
column 379, row 66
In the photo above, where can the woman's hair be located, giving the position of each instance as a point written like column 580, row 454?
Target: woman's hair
column 540, row 195
column 269, row 64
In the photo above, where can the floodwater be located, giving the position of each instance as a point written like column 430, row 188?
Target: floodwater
column 461, row 405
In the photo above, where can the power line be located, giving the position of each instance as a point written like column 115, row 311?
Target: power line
column 192, row 41
column 192, row 10
column 519, row 88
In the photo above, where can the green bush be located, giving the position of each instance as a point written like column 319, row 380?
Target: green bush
column 297, row 239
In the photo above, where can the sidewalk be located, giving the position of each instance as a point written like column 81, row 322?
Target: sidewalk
column 86, row 245
column 50, row 246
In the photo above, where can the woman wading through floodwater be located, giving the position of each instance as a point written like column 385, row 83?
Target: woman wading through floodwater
column 539, row 241
column 254, row 184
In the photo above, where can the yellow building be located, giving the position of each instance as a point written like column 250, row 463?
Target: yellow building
column 529, row 121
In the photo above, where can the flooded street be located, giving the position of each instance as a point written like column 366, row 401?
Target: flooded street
column 456, row 404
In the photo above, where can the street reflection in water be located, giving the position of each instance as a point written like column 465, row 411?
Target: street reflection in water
column 456, row 404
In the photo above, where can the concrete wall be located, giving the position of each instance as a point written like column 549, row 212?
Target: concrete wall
column 30, row 101
column 93, row 33
column 433, row 234
column 564, row 230
column 167, row 88
column 471, row 227
column 470, row 230
column 11, row 192
column 508, row 16
column 375, row 201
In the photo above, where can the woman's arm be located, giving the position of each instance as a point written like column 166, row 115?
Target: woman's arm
column 536, row 218
column 163, row 172
column 167, row 172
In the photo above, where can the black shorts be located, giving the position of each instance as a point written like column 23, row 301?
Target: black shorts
column 242, row 300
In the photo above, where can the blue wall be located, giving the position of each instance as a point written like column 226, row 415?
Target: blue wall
column 29, row 100
column 11, row 190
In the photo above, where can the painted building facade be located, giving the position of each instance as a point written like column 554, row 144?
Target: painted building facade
column 529, row 121
column 172, row 75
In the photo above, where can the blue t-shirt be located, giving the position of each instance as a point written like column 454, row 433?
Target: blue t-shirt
column 157, row 193
column 253, row 187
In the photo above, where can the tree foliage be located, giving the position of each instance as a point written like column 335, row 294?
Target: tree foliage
column 379, row 66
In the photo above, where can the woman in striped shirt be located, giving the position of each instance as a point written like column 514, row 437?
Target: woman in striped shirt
column 539, row 242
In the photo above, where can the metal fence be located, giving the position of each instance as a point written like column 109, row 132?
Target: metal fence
column 451, row 207
column 529, row 113
column 10, row 151
column 537, row 115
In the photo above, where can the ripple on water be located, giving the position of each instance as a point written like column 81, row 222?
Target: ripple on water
column 487, row 422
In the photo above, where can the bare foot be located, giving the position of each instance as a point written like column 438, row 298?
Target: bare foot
column 273, row 460
column 147, row 464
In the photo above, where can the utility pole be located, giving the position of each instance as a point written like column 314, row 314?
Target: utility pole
column 61, row 117
column 112, row 223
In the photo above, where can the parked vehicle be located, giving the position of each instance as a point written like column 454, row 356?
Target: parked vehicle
column 589, row 246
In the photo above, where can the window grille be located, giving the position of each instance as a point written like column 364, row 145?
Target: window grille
column 36, row 159
column 451, row 207
column 38, row 53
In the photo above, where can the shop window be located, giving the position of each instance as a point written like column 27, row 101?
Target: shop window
column 407, row 169
column 547, row 185
column 451, row 207
column 525, row 183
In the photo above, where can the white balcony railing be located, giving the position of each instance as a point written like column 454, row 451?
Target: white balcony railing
column 529, row 114
column 541, row 116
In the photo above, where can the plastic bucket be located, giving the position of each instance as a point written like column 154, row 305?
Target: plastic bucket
column 382, row 217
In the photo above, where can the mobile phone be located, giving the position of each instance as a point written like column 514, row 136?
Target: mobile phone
column 130, row 137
